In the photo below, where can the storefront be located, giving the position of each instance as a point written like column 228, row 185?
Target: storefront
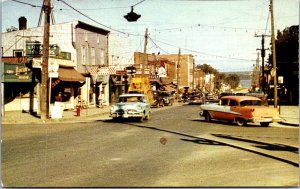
column 19, row 88
column 101, row 87
column 67, row 85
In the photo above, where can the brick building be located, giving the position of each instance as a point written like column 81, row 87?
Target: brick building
column 152, row 62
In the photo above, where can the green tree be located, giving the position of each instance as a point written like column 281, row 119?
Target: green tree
column 233, row 80
column 207, row 69
column 12, row 28
column 287, row 64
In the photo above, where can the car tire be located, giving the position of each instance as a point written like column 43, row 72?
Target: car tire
column 141, row 119
column 207, row 117
column 240, row 121
column 264, row 124
column 157, row 105
column 147, row 116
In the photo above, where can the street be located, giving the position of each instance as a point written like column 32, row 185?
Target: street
column 175, row 148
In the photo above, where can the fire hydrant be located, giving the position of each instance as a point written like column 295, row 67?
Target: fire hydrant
column 78, row 111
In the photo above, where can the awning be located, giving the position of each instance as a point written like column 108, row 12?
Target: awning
column 70, row 74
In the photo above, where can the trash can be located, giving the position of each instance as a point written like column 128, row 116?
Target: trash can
column 57, row 110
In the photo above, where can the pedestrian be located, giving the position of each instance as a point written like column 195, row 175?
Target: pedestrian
column 100, row 99
column 58, row 98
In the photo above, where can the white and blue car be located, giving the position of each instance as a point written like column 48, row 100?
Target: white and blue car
column 131, row 106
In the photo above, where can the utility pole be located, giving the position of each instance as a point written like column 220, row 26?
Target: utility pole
column 41, row 16
column 145, row 53
column 178, row 66
column 262, row 59
column 193, row 74
column 44, row 98
column 274, row 71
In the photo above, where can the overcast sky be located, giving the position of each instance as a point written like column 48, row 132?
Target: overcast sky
column 217, row 32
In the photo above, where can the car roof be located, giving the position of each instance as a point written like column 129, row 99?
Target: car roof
column 131, row 95
column 240, row 98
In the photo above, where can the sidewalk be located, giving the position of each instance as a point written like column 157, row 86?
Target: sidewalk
column 290, row 115
column 17, row 117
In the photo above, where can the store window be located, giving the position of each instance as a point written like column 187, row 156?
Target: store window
column 101, row 56
column 93, row 60
column 83, row 53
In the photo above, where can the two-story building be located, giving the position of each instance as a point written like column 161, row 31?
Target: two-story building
column 178, row 69
column 78, row 48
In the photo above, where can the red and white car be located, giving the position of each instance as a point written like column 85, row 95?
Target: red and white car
column 240, row 109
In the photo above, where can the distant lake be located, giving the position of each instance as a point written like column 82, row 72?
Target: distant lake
column 245, row 83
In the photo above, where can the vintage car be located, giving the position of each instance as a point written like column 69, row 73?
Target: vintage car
column 240, row 109
column 195, row 99
column 131, row 106
column 167, row 98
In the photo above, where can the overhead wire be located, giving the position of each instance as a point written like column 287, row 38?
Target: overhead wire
column 32, row 5
column 116, row 30
column 208, row 54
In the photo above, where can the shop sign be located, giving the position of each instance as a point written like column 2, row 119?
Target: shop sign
column 120, row 72
column 16, row 73
column 35, row 48
column 154, row 77
column 37, row 63
column 162, row 72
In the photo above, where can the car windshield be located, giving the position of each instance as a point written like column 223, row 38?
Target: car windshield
column 131, row 99
column 251, row 103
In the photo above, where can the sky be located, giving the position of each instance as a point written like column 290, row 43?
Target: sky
column 220, row 33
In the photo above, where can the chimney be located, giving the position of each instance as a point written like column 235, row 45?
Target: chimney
column 22, row 23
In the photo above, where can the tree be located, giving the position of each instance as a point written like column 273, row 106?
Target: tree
column 12, row 28
column 287, row 49
column 233, row 80
column 207, row 69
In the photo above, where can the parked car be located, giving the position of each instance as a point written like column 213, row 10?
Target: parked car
column 240, row 109
column 131, row 106
column 157, row 100
column 195, row 98
column 167, row 98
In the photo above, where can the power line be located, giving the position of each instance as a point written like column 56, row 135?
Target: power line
column 198, row 52
column 126, row 33
column 32, row 5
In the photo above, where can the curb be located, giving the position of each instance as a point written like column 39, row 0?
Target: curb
column 289, row 124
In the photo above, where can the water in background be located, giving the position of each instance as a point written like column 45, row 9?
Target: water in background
column 245, row 83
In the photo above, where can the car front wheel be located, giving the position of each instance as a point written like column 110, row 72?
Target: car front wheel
column 240, row 121
column 207, row 117
column 264, row 124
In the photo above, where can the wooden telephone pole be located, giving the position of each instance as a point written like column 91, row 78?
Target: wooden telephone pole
column 193, row 74
column 178, row 67
column 145, row 59
column 274, row 71
column 44, row 98
column 262, row 58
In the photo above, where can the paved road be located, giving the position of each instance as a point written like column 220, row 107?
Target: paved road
column 174, row 148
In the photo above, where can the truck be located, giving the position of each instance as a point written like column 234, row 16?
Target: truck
column 141, row 86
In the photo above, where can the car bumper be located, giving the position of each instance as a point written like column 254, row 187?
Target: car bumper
column 127, row 115
column 266, row 119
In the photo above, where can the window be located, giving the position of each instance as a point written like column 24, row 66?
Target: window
column 101, row 56
column 224, row 102
column 83, row 54
column 233, row 103
column 93, row 60
column 18, row 53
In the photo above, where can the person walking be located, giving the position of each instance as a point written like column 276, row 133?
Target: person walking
column 101, row 99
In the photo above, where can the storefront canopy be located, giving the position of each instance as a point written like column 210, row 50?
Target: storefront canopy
column 70, row 74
